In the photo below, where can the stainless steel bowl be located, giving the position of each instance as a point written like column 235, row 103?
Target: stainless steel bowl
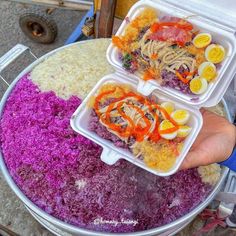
column 59, row 227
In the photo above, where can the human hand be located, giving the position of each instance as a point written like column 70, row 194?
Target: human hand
column 214, row 143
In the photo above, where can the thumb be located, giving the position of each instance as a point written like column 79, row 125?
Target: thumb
column 193, row 159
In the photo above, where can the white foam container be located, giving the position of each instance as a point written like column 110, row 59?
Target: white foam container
column 111, row 154
column 222, row 34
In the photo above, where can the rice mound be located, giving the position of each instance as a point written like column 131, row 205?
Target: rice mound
column 74, row 70
column 210, row 174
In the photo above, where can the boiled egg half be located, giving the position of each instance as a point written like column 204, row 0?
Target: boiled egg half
column 202, row 40
column 180, row 116
column 215, row 53
column 207, row 70
column 168, row 106
column 198, row 85
column 183, row 131
column 165, row 125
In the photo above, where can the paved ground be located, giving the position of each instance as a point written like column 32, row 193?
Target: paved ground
column 10, row 33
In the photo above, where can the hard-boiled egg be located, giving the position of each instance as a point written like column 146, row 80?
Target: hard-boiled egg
column 202, row 40
column 168, row 106
column 198, row 85
column 183, row 131
column 207, row 70
column 215, row 53
column 165, row 125
column 180, row 116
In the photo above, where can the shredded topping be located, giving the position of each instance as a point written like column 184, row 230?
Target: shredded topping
column 140, row 124
column 167, row 49
column 131, row 115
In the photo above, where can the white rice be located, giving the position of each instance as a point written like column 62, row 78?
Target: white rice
column 218, row 109
column 74, row 70
column 210, row 174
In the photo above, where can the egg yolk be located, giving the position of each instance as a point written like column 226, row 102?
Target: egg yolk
column 183, row 131
column 208, row 73
column 202, row 41
column 180, row 114
column 166, row 124
column 195, row 85
column 216, row 54
column 169, row 107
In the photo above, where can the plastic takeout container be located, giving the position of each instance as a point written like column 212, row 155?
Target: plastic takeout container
column 221, row 33
column 111, row 154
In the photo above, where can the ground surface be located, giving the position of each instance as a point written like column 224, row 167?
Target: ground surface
column 12, row 212
column 10, row 33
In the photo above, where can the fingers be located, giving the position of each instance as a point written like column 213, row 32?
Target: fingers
column 194, row 159
column 203, row 110
column 206, row 112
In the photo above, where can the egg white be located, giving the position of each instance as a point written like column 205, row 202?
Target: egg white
column 203, row 87
column 197, row 36
column 169, row 136
column 183, row 131
column 209, row 48
column 167, row 105
column 204, row 65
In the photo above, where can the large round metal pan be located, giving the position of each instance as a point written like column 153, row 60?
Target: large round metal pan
column 60, row 226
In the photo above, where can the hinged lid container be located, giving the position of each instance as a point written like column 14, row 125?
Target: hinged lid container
column 222, row 33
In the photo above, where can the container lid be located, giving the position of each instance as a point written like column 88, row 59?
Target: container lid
column 203, row 12
column 220, row 11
